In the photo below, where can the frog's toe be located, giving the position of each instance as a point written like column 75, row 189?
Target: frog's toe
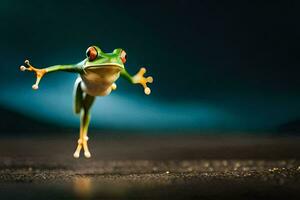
column 76, row 155
column 23, row 68
column 147, row 90
column 149, row 79
column 77, row 152
column 87, row 154
column 35, row 87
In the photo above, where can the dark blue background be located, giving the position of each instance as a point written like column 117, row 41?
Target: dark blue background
column 220, row 66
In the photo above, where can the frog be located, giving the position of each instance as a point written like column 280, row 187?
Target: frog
column 97, row 76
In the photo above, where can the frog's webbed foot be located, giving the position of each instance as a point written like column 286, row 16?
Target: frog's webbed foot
column 39, row 73
column 82, row 143
column 139, row 78
column 86, row 150
column 78, row 149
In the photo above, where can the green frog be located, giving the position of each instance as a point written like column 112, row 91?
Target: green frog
column 98, row 73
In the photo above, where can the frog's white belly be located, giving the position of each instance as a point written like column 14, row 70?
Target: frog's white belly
column 98, row 81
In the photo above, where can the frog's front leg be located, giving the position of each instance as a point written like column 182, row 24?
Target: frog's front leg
column 41, row 72
column 139, row 79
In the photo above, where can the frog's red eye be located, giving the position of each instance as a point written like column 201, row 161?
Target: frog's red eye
column 123, row 56
column 91, row 53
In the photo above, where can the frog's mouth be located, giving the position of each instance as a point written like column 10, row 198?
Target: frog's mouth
column 104, row 65
column 115, row 67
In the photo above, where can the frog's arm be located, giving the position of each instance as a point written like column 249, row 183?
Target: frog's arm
column 41, row 72
column 138, row 79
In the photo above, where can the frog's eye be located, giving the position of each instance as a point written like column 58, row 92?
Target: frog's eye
column 91, row 53
column 123, row 56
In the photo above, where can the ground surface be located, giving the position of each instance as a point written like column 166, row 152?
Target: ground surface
column 151, row 167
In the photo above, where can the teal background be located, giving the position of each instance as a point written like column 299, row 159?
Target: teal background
column 220, row 67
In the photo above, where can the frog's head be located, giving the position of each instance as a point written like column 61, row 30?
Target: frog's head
column 97, row 59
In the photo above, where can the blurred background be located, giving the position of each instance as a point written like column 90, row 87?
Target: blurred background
column 218, row 67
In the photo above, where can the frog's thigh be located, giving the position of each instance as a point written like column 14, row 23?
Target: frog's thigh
column 78, row 96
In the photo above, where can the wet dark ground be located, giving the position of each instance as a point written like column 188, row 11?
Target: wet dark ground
column 151, row 167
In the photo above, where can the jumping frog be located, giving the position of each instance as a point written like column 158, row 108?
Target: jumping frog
column 98, row 73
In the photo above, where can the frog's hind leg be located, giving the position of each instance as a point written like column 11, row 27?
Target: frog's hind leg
column 85, row 121
column 82, row 104
column 78, row 96
column 78, row 99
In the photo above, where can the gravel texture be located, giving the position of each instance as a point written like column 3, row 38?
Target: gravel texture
column 151, row 167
